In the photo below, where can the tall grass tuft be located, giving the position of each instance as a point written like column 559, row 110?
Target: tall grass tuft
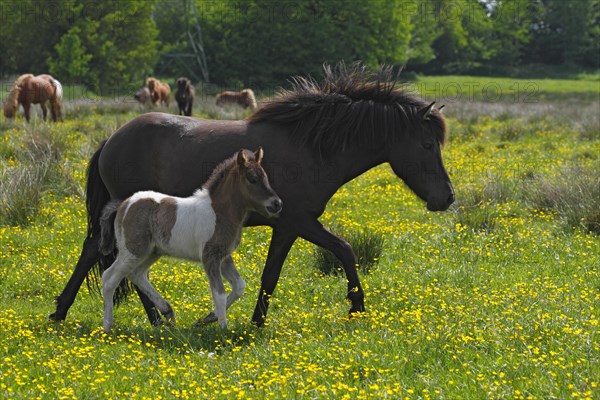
column 573, row 192
column 367, row 245
column 40, row 168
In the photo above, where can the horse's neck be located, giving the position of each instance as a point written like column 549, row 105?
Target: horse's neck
column 356, row 161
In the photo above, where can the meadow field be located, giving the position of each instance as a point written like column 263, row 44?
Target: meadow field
column 499, row 297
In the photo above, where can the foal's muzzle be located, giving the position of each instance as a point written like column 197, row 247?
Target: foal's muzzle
column 275, row 206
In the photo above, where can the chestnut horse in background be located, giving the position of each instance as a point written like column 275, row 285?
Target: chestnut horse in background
column 39, row 89
column 244, row 98
column 185, row 96
column 159, row 91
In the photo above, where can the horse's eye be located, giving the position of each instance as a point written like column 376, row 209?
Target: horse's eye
column 428, row 146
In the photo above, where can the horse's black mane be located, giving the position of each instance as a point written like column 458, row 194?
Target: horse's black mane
column 350, row 103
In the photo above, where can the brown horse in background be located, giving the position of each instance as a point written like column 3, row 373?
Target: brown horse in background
column 185, row 96
column 39, row 89
column 244, row 98
column 159, row 91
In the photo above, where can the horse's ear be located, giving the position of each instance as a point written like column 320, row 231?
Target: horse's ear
column 425, row 112
column 242, row 160
column 258, row 154
column 441, row 107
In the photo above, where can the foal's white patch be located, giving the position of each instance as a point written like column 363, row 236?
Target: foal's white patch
column 195, row 224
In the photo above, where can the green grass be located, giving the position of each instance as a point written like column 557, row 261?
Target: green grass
column 496, row 298
column 493, row 89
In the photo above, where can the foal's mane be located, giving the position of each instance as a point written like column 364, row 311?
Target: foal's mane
column 223, row 169
column 350, row 106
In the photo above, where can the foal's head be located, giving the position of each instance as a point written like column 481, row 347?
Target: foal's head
column 243, row 179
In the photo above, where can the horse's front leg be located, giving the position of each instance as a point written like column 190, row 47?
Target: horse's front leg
column 211, row 261
column 44, row 110
column 281, row 243
column 230, row 272
column 27, row 109
column 313, row 231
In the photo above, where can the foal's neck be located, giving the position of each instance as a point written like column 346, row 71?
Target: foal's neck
column 227, row 201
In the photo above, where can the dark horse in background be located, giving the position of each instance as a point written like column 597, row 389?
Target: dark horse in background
column 185, row 96
column 316, row 137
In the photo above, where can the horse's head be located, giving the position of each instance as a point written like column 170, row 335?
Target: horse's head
column 256, row 189
column 182, row 84
column 11, row 105
column 417, row 160
column 152, row 83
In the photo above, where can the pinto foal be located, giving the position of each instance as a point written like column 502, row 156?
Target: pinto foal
column 205, row 227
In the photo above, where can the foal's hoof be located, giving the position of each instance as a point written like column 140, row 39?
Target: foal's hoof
column 209, row 319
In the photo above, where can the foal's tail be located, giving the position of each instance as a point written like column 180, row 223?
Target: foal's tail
column 107, row 227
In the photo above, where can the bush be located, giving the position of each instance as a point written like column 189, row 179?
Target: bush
column 573, row 192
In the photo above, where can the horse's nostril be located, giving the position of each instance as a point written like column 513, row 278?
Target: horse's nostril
column 450, row 199
column 277, row 205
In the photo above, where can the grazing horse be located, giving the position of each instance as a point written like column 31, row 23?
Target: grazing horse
column 143, row 96
column 159, row 92
column 206, row 226
column 316, row 136
column 185, row 96
column 245, row 99
column 39, row 89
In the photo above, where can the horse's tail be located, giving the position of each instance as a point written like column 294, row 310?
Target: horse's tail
column 58, row 87
column 58, row 96
column 97, row 197
column 107, row 227
column 250, row 98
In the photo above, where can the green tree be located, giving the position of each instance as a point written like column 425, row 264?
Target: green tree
column 511, row 23
column 72, row 62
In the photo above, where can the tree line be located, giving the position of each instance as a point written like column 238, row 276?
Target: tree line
column 260, row 43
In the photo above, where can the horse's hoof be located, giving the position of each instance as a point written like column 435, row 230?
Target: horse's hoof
column 209, row 319
column 55, row 318
column 356, row 310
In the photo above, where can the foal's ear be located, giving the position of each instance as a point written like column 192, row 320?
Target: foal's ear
column 258, row 154
column 242, row 160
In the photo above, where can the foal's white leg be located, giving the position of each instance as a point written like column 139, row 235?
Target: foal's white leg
column 212, row 266
column 111, row 278
column 139, row 277
column 229, row 272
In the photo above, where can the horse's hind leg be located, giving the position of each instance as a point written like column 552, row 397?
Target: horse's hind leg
column 230, row 272
column 139, row 277
column 88, row 258
column 27, row 109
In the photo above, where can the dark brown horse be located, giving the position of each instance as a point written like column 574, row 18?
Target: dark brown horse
column 316, row 138
column 159, row 92
column 29, row 89
column 244, row 99
column 185, row 96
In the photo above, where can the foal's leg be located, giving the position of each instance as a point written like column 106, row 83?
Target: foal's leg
column 230, row 272
column 139, row 277
column 212, row 265
column 111, row 278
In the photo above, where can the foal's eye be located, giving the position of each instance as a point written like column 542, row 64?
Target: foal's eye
column 252, row 178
